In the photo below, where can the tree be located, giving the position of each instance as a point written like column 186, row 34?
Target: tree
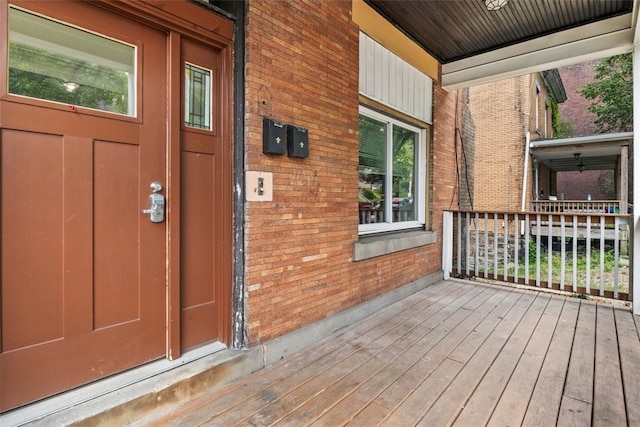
column 561, row 129
column 612, row 92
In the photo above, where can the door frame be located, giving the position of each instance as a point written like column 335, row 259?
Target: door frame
column 186, row 19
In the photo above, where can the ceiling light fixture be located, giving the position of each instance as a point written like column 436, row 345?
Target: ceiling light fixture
column 494, row 5
column 581, row 167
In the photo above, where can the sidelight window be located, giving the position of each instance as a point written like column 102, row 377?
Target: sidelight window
column 197, row 97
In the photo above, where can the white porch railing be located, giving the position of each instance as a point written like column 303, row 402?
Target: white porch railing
column 583, row 253
column 577, row 206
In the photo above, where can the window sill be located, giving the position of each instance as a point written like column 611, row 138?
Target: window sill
column 383, row 244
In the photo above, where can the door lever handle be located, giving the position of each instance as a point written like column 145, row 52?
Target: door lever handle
column 156, row 204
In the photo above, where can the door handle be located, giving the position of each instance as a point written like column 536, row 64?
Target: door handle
column 156, row 203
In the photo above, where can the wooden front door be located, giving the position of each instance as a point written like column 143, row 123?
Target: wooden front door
column 97, row 113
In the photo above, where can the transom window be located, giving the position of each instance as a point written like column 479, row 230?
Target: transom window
column 392, row 170
column 56, row 62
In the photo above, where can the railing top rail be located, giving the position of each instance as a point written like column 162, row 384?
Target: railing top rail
column 533, row 213
column 575, row 201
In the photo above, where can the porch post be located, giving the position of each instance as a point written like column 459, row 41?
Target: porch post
column 623, row 179
column 635, row 225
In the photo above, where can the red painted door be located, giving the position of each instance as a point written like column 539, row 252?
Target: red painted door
column 83, row 269
column 205, row 197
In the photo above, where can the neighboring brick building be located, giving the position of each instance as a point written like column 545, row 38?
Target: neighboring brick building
column 575, row 185
column 505, row 112
column 576, row 108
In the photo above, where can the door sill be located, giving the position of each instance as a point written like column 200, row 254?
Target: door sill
column 115, row 384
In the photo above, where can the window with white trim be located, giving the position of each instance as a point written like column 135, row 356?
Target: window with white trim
column 392, row 173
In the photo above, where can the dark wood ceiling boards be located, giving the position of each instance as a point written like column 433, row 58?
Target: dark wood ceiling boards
column 451, row 30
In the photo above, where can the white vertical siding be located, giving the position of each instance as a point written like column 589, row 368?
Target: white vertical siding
column 388, row 79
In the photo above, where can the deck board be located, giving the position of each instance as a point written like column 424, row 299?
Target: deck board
column 433, row 361
column 457, row 353
column 544, row 404
column 608, row 396
column 578, row 391
column 432, row 346
column 479, row 408
column 512, row 406
column 629, row 347
column 446, row 408
column 268, row 384
column 324, row 378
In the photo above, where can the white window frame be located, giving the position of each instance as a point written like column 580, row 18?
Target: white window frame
column 420, row 193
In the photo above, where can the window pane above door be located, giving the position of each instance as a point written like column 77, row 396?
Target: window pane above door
column 56, row 62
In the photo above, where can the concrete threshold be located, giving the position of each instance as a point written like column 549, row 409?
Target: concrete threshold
column 132, row 395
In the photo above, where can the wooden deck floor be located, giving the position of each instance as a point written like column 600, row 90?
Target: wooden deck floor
column 458, row 353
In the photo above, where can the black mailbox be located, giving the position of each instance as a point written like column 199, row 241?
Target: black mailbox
column 297, row 141
column 274, row 137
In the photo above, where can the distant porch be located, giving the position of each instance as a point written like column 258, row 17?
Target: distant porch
column 601, row 152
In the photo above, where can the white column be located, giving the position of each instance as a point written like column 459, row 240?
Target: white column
column 447, row 243
column 635, row 247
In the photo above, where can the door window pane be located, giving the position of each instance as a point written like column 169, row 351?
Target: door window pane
column 56, row 62
column 197, row 97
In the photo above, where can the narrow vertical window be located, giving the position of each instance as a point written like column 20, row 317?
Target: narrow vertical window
column 197, row 97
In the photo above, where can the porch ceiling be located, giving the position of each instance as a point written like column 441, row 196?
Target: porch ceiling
column 596, row 152
column 475, row 45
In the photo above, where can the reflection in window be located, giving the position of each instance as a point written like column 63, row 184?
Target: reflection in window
column 197, row 97
column 56, row 62
column 404, row 162
column 389, row 171
column 373, row 169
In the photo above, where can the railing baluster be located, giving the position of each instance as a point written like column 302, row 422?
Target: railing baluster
column 506, row 246
column 588, row 267
column 538, row 217
column 602, row 218
column 459, row 241
column 495, row 246
column 616, row 257
column 477, row 258
column 575, row 253
column 527, row 237
column 516, row 247
column 486, row 245
column 550, row 252
column 562, row 252
column 468, row 242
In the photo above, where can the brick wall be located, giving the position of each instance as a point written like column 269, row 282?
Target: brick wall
column 502, row 114
column 576, row 108
column 302, row 68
